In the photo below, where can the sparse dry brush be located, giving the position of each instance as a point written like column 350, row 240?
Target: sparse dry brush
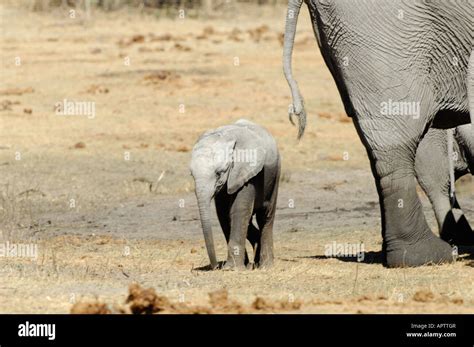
column 207, row 6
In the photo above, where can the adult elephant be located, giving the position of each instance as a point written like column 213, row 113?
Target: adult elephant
column 386, row 56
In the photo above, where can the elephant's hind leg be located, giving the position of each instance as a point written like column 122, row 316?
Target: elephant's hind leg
column 456, row 229
column 408, row 240
column 432, row 171
column 265, row 217
column 264, row 252
column 253, row 236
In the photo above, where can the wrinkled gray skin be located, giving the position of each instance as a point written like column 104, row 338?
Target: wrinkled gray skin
column 432, row 172
column 239, row 166
column 401, row 51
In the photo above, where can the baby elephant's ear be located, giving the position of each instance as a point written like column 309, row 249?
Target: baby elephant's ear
column 247, row 160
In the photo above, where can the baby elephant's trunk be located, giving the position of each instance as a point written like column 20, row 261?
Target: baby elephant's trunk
column 204, row 203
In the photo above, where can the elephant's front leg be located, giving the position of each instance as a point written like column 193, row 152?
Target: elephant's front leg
column 240, row 215
column 408, row 240
column 223, row 204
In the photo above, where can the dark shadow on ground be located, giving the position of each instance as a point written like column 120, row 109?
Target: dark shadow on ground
column 209, row 268
column 250, row 266
column 367, row 258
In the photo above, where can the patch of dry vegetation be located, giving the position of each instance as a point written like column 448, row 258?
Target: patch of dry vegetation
column 146, row 301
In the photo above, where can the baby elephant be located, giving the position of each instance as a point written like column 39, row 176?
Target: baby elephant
column 432, row 171
column 239, row 166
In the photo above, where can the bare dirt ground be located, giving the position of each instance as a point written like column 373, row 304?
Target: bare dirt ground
column 109, row 201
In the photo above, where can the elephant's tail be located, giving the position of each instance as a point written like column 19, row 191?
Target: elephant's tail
column 452, row 179
column 297, row 108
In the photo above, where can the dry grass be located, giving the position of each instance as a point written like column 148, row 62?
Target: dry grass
column 83, row 269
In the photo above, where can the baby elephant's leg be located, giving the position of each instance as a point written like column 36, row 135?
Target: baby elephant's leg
column 264, row 252
column 240, row 215
column 265, row 218
column 223, row 204
column 253, row 235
